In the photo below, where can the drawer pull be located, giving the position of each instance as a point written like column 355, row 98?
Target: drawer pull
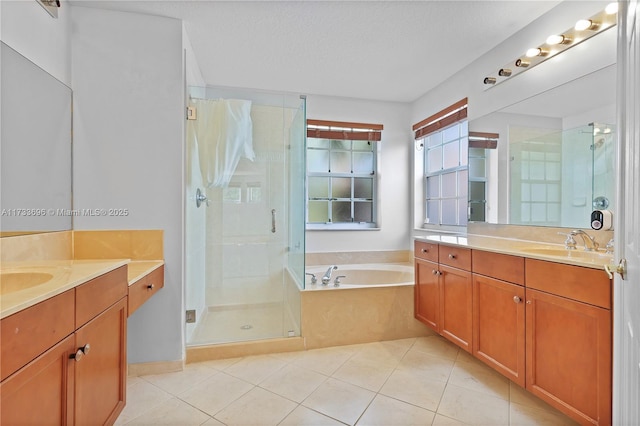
column 517, row 299
column 425, row 250
column 81, row 352
column 151, row 287
column 85, row 349
column 452, row 256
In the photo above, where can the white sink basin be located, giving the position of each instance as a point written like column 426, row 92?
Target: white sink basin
column 11, row 282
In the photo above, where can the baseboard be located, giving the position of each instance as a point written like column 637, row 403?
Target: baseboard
column 158, row 367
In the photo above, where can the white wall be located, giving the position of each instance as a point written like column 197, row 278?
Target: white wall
column 45, row 41
column 128, row 150
column 469, row 81
column 393, row 174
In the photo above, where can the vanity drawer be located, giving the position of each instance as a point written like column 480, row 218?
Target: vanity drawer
column 586, row 285
column 455, row 256
column 97, row 295
column 426, row 251
column 30, row 332
column 500, row 266
column 144, row 288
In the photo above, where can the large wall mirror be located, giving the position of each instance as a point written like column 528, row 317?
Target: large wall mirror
column 555, row 156
column 35, row 148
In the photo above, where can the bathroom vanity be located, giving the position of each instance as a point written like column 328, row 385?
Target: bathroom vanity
column 63, row 353
column 539, row 316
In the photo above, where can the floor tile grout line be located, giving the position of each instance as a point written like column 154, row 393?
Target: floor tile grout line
column 352, row 355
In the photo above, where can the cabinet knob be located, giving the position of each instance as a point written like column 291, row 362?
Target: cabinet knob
column 150, row 287
column 425, row 250
column 452, row 256
column 77, row 356
column 528, row 302
column 517, row 299
column 436, row 272
column 81, row 352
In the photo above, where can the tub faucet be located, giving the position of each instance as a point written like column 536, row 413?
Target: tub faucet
column 590, row 243
column 327, row 275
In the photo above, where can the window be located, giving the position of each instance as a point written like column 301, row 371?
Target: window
column 479, row 144
column 342, row 175
column 443, row 140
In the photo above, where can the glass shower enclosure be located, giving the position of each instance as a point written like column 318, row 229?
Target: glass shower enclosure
column 244, row 215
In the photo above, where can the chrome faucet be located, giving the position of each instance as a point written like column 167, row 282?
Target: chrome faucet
column 590, row 243
column 326, row 278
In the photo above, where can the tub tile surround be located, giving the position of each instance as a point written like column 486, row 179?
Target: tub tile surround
column 353, row 257
column 420, row 381
column 359, row 315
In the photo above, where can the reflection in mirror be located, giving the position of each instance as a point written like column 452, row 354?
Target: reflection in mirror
column 554, row 163
column 575, row 162
column 35, row 148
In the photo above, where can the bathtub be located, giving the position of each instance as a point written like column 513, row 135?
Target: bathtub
column 373, row 303
column 362, row 275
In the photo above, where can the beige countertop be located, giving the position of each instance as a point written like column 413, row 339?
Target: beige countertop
column 66, row 274
column 139, row 268
column 530, row 249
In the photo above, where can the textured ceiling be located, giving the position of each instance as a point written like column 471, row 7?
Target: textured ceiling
column 383, row 50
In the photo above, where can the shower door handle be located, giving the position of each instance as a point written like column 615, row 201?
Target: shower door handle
column 273, row 221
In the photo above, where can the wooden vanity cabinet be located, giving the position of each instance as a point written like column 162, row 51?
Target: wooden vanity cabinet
column 569, row 339
column 41, row 393
column 144, row 288
column 443, row 292
column 101, row 339
column 100, row 376
column 79, row 379
column 499, row 313
column 427, row 290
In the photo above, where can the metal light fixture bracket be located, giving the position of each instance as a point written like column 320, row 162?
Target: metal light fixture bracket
column 602, row 21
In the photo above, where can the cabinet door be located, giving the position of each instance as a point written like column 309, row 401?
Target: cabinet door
column 427, row 294
column 101, row 373
column 498, row 326
column 569, row 356
column 456, row 307
column 41, row 393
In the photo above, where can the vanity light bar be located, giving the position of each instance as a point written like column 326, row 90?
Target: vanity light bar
column 555, row 44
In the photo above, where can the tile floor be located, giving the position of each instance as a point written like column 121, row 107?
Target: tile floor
column 421, row 381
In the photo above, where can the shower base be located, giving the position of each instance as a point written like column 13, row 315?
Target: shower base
column 238, row 323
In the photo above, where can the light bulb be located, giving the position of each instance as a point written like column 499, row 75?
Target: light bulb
column 611, row 8
column 583, row 24
column 557, row 39
column 536, row 51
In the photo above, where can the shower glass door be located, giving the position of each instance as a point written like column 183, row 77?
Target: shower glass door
column 245, row 243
